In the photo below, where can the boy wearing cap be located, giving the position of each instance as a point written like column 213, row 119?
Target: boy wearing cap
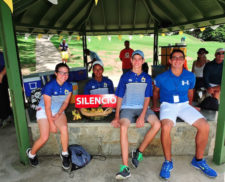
column 175, row 90
column 133, row 97
column 212, row 74
column 99, row 84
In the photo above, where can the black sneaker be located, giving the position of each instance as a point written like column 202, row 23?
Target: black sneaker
column 136, row 158
column 124, row 172
column 65, row 161
column 33, row 161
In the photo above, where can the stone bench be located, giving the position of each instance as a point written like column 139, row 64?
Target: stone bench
column 102, row 138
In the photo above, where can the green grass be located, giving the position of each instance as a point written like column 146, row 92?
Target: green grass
column 27, row 52
column 110, row 49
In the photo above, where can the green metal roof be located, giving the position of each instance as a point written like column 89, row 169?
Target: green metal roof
column 115, row 16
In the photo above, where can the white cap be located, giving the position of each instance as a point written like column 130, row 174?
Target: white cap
column 220, row 50
column 98, row 62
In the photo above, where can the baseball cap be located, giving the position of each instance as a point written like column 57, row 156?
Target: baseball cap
column 220, row 50
column 139, row 52
column 99, row 63
column 202, row 50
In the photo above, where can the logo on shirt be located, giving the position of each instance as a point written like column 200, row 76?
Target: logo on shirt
column 143, row 79
column 130, row 80
column 66, row 92
column 185, row 82
column 105, row 85
column 127, row 55
column 55, row 93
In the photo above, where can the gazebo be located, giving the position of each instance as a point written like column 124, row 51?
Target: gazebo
column 101, row 17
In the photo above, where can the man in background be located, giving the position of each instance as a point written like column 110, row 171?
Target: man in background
column 125, row 57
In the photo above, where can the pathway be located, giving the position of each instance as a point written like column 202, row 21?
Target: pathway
column 47, row 56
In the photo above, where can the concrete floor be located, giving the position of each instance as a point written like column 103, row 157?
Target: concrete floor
column 49, row 170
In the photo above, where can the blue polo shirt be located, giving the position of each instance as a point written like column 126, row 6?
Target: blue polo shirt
column 133, row 89
column 174, row 89
column 94, row 87
column 58, row 94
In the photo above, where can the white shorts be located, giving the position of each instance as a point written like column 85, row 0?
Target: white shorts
column 182, row 110
column 41, row 114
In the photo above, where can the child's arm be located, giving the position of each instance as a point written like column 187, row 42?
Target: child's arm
column 141, row 119
column 115, row 122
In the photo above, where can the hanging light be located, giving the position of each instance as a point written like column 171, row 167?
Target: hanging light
column 55, row 2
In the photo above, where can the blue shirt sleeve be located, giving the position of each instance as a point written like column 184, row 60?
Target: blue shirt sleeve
column 192, row 82
column 157, row 81
column 87, row 88
column 120, row 91
column 148, row 91
column 111, row 87
column 48, row 89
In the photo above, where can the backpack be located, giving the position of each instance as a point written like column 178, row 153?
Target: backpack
column 35, row 97
column 79, row 157
column 210, row 103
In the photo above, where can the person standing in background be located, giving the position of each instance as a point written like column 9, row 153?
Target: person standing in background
column 125, row 57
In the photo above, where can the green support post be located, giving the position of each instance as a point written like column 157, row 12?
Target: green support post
column 14, row 79
column 219, row 151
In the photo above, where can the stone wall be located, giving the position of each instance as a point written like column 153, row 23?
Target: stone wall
column 102, row 138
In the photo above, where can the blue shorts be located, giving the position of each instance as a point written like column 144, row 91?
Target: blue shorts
column 133, row 114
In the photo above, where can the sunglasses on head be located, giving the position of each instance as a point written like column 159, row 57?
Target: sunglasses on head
column 220, row 53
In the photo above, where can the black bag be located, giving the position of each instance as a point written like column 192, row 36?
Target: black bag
column 79, row 156
column 210, row 103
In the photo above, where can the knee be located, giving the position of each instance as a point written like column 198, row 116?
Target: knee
column 44, row 138
column 203, row 126
column 64, row 129
column 156, row 125
column 124, row 126
column 166, row 128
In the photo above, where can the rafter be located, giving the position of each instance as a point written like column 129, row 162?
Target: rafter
column 73, row 15
column 59, row 14
column 151, row 12
column 44, row 13
column 104, row 14
column 85, row 17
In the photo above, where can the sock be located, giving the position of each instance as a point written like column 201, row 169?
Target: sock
column 198, row 159
column 65, row 153
column 31, row 155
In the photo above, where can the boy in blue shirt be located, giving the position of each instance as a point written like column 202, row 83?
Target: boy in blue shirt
column 133, row 97
column 175, row 89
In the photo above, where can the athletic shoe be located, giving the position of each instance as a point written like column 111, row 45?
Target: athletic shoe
column 204, row 167
column 65, row 161
column 136, row 158
column 124, row 172
column 33, row 161
column 166, row 168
